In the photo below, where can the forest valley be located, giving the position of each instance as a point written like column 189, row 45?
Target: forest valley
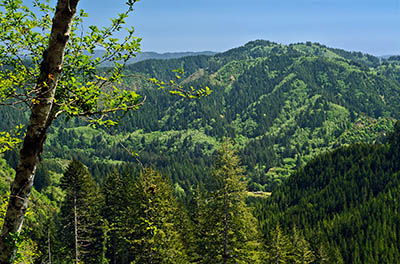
column 292, row 158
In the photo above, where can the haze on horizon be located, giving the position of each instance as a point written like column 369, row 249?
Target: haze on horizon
column 369, row 26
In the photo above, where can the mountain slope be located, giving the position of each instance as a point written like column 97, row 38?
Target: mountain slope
column 282, row 105
column 345, row 199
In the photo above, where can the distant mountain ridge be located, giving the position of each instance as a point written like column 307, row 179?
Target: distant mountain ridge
column 147, row 55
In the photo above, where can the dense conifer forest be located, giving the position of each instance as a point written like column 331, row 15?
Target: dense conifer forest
column 188, row 181
column 345, row 201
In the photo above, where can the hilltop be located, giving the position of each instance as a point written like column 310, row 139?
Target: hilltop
column 282, row 105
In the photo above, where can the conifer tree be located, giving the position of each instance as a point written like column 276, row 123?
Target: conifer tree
column 228, row 231
column 114, row 212
column 279, row 248
column 82, row 229
column 301, row 249
column 153, row 227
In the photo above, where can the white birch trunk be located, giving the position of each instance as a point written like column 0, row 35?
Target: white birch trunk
column 40, row 119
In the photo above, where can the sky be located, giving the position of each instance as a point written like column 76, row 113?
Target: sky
column 369, row 26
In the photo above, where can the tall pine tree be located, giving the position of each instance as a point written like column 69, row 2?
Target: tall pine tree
column 154, row 232
column 82, row 229
column 114, row 211
column 228, row 231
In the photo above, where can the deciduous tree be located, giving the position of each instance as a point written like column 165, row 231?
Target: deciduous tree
column 43, row 66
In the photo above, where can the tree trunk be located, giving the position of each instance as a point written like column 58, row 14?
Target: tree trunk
column 76, row 233
column 49, row 245
column 40, row 119
column 225, row 256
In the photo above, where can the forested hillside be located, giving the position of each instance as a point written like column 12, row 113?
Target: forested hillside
column 312, row 124
column 139, row 217
column 344, row 201
column 282, row 105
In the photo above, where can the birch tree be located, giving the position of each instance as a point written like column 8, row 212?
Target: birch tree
column 44, row 67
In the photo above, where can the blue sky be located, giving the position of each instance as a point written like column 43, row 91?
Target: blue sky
column 371, row 26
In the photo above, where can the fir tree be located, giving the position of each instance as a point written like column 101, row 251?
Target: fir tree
column 301, row 249
column 153, row 227
column 82, row 228
column 114, row 212
column 280, row 248
column 227, row 230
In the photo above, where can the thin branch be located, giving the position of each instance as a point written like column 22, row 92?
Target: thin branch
column 131, row 153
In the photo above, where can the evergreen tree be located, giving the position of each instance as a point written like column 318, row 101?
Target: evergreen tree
column 322, row 256
column 227, row 229
column 114, row 212
column 82, row 228
column 280, row 248
column 154, row 233
column 42, row 177
column 301, row 249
